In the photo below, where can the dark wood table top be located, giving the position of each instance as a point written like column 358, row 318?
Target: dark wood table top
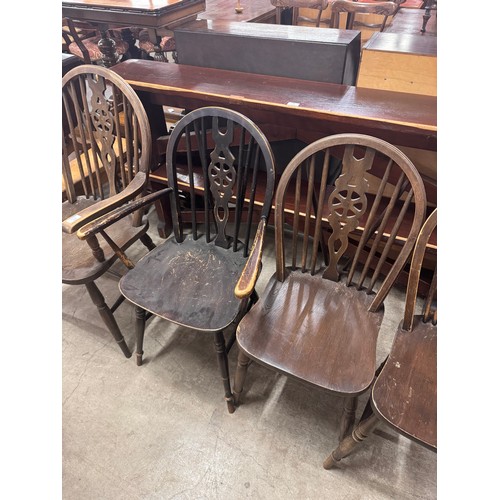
column 253, row 10
column 403, row 43
column 144, row 13
column 408, row 119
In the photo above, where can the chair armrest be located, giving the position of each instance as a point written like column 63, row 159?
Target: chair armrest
column 76, row 221
column 117, row 214
column 251, row 271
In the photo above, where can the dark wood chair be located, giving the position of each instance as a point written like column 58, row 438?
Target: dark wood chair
column 106, row 154
column 216, row 161
column 82, row 40
column 338, row 253
column 353, row 8
column 404, row 393
column 295, row 5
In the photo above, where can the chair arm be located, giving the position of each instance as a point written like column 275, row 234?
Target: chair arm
column 248, row 279
column 76, row 221
column 110, row 218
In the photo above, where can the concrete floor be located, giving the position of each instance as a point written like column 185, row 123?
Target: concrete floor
column 162, row 430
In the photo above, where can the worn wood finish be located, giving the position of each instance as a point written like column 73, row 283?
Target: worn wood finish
column 404, row 393
column 312, row 109
column 319, row 317
column 106, row 151
column 190, row 279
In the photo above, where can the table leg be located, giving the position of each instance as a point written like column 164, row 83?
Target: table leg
column 107, row 47
column 155, row 39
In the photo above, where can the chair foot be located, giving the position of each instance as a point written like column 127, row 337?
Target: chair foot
column 330, row 462
column 124, row 347
column 239, row 378
column 350, row 442
column 231, row 407
column 138, row 358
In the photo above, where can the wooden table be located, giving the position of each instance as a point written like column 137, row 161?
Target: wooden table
column 255, row 11
column 312, row 109
column 150, row 14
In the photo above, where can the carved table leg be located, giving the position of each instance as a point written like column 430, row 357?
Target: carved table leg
column 107, row 47
column 346, row 446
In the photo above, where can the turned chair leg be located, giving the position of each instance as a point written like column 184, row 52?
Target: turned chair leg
column 147, row 242
column 140, row 325
column 107, row 317
column 220, row 348
column 348, row 417
column 347, row 445
column 239, row 377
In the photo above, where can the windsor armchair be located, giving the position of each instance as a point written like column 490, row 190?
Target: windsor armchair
column 216, row 160
column 339, row 247
column 106, row 152
column 404, row 393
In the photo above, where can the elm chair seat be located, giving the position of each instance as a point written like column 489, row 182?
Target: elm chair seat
column 283, row 328
column 415, row 390
column 156, row 280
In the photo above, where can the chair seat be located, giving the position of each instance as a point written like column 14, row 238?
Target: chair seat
column 79, row 266
column 189, row 283
column 167, row 44
column 404, row 394
column 315, row 330
column 91, row 45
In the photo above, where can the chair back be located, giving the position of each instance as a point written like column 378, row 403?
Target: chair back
column 221, row 168
column 429, row 311
column 295, row 5
column 354, row 205
column 106, row 137
column 353, row 7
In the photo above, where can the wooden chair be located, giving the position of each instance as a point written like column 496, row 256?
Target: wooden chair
column 404, row 393
column 320, row 314
column 353, row 8
column 106, row 151
column 295, row 5
column 82, row 40
column 190, row 278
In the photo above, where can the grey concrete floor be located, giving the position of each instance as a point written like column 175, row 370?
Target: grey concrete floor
column 162, row 430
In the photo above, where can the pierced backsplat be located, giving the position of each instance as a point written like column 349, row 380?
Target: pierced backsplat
column 348, row 203
column 216, row 161
column 222, row 176
column 103, row 136
column 363, row 223
column 101, row 115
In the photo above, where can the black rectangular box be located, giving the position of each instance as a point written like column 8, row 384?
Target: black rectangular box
column 306, row 53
